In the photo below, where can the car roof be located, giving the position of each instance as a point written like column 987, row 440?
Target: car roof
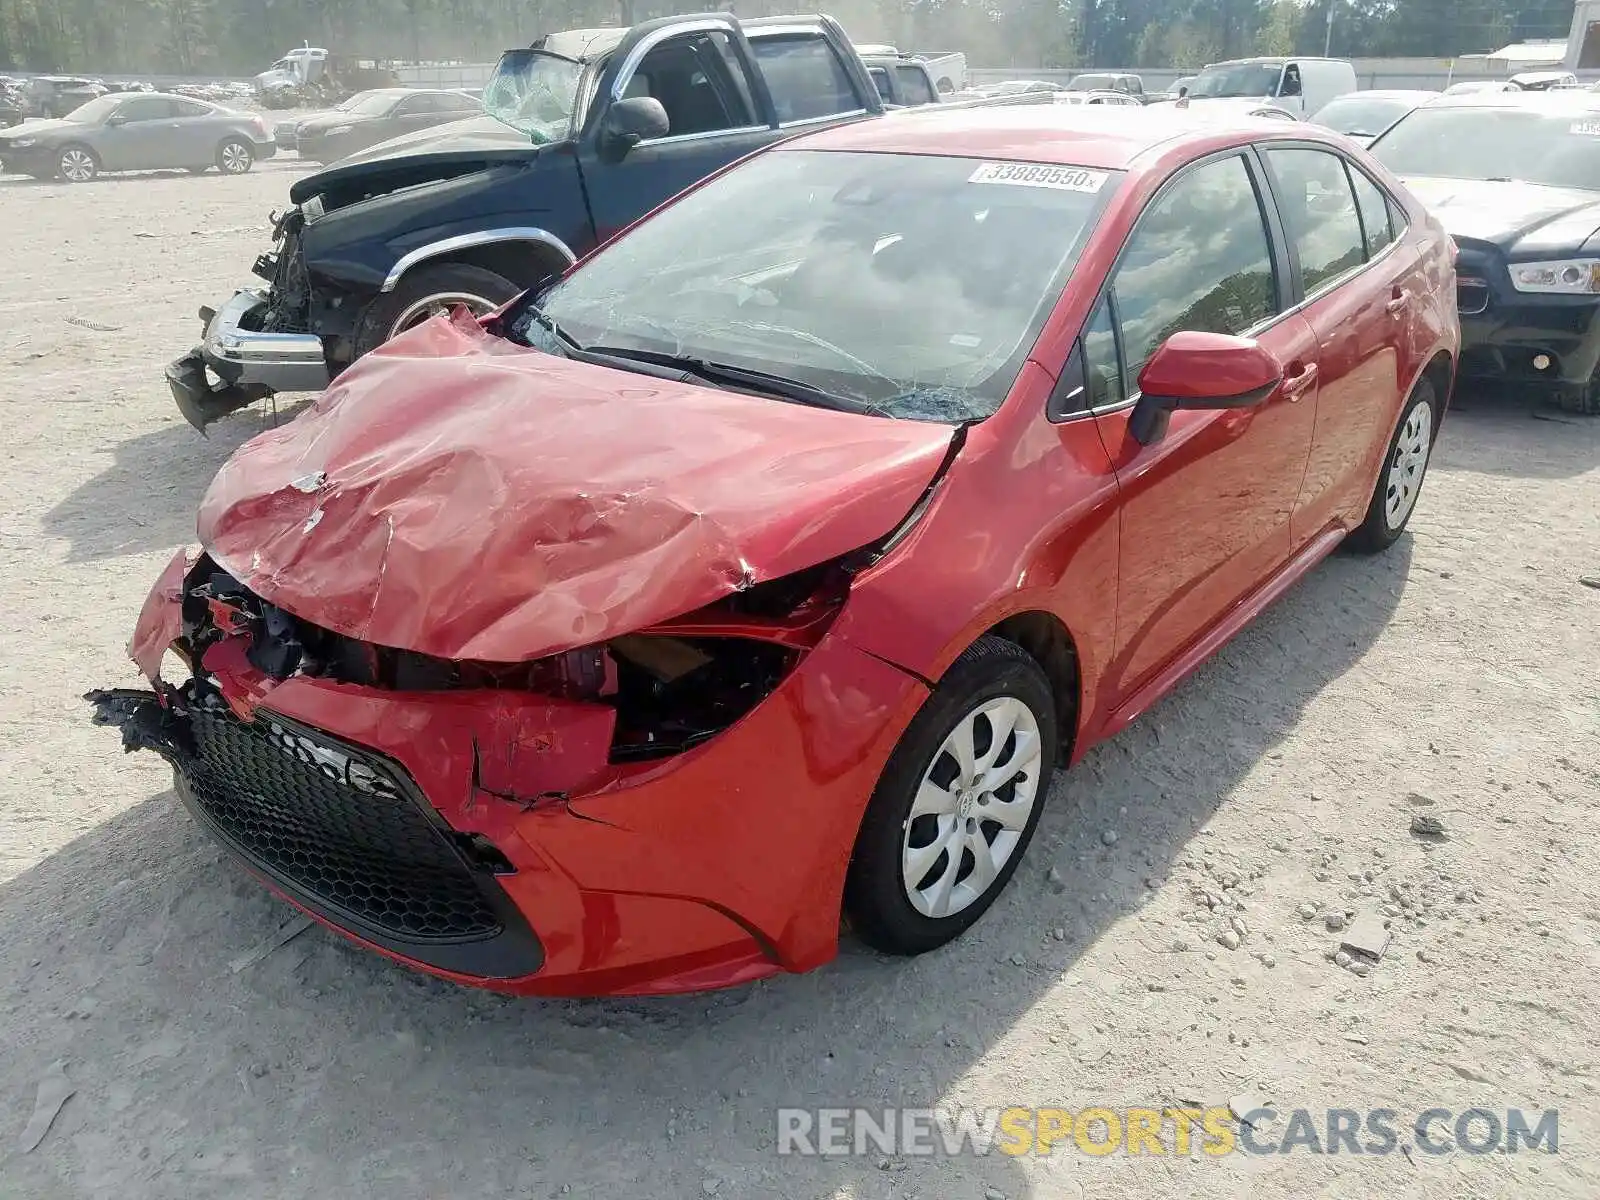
column 1081, row 135
column 1389, row 94
column 1566, row 100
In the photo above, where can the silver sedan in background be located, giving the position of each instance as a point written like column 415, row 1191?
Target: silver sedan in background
column 137, row 131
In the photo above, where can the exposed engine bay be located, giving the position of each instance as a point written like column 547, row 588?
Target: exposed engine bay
column 671, row 689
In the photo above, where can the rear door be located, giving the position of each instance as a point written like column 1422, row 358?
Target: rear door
column 1205, row 509
column 1354, row 278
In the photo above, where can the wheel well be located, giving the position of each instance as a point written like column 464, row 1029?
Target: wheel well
column 1046, row 639
column 1440, row 372
column 520, row 262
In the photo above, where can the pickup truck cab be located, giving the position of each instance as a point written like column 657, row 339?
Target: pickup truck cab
column 601, row 125
column 902, row 80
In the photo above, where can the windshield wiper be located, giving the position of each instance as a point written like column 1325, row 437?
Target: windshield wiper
column 723, row 373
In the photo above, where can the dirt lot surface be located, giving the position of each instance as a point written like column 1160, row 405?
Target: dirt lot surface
column 1455, row 678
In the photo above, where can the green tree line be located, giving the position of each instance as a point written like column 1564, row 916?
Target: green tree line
column 232, row 37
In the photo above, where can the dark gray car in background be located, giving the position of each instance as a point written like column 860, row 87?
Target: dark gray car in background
column 137, row 131
column 368, row 118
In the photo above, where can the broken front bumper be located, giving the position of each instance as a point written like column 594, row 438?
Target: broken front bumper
column 482, row 835
column 248, row 365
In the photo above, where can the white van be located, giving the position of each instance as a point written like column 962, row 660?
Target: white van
column 1300, row 85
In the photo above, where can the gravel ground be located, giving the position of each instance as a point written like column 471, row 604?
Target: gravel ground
column 1454, row 677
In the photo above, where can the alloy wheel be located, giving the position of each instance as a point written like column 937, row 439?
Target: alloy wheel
column 972, row 807
column 236, row 159
column 438, row 306
column 78, row 166
column 1407, row 465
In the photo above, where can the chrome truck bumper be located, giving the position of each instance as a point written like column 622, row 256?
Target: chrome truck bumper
column 247, row 365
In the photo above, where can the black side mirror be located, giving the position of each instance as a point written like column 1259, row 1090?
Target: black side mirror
column 630, row 121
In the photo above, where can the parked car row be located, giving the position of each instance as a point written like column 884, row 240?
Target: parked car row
column 611, row 572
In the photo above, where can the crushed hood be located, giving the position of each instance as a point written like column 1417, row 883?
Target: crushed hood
column 464, row 497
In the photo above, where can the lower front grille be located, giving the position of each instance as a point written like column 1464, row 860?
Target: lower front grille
column 344, row 829
column 1472, row 295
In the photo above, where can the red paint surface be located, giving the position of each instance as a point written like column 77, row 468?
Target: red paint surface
column 461, row 496
column 484, row 501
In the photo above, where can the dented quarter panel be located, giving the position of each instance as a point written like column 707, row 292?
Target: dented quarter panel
column 460, row 496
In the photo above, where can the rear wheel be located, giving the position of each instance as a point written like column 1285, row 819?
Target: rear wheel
column 1394, row 498
column 957, row 804
column 77, row 164
column 235, row 157
column 428, row 292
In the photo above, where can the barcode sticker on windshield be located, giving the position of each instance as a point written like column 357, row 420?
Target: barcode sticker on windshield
column 1586, row 128
column 1066, row 179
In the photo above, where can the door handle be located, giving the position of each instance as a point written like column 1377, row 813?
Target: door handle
column 1399, row 303
column 1294, row 386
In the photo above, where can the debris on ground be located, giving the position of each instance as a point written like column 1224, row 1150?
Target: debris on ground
column 1367, row 935
column 1245, row 1103
column 54, row 1092
column 1589, row 581
column 286, row 933
column 1424, row 825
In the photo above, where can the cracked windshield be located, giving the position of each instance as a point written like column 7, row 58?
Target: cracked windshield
column 906, row 286
column 535, row 92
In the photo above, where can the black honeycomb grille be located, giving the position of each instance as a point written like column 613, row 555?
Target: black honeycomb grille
column 337, row 824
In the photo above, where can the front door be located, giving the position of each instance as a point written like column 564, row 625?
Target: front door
column 142, row 137
column 703, row 84
column 1206, row 508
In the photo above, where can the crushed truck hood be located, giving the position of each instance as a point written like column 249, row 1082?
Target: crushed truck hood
column 461, row 496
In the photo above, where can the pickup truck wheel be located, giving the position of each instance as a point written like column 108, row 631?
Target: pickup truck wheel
column 428, row 292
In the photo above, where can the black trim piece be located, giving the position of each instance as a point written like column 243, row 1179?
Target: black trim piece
column 512, row 950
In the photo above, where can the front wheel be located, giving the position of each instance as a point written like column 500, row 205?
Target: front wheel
column 1400, row 481
column 235, row 157
column 957, row 804
column 77, row 164
column 428, row 292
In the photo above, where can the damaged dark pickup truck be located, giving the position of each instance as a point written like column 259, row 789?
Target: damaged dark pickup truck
column 596, row 128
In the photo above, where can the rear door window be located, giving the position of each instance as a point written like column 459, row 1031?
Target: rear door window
column 805, row 77
column 914, row 85
column 1319, row 212
column 1373, row 205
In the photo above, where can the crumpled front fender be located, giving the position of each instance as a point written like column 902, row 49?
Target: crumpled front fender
column 161, row 619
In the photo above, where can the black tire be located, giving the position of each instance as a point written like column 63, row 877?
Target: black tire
column 82, row 163
column 443, row 283
column 1376, row 533
column 1582, row 399
column 235, row 156
column 875, row 896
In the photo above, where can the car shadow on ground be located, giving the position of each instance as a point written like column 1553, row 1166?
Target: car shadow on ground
column 323, row 1067
column 1518, row 433
column 146, row 499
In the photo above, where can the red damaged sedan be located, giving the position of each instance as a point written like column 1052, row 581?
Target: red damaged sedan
column 756, row 576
